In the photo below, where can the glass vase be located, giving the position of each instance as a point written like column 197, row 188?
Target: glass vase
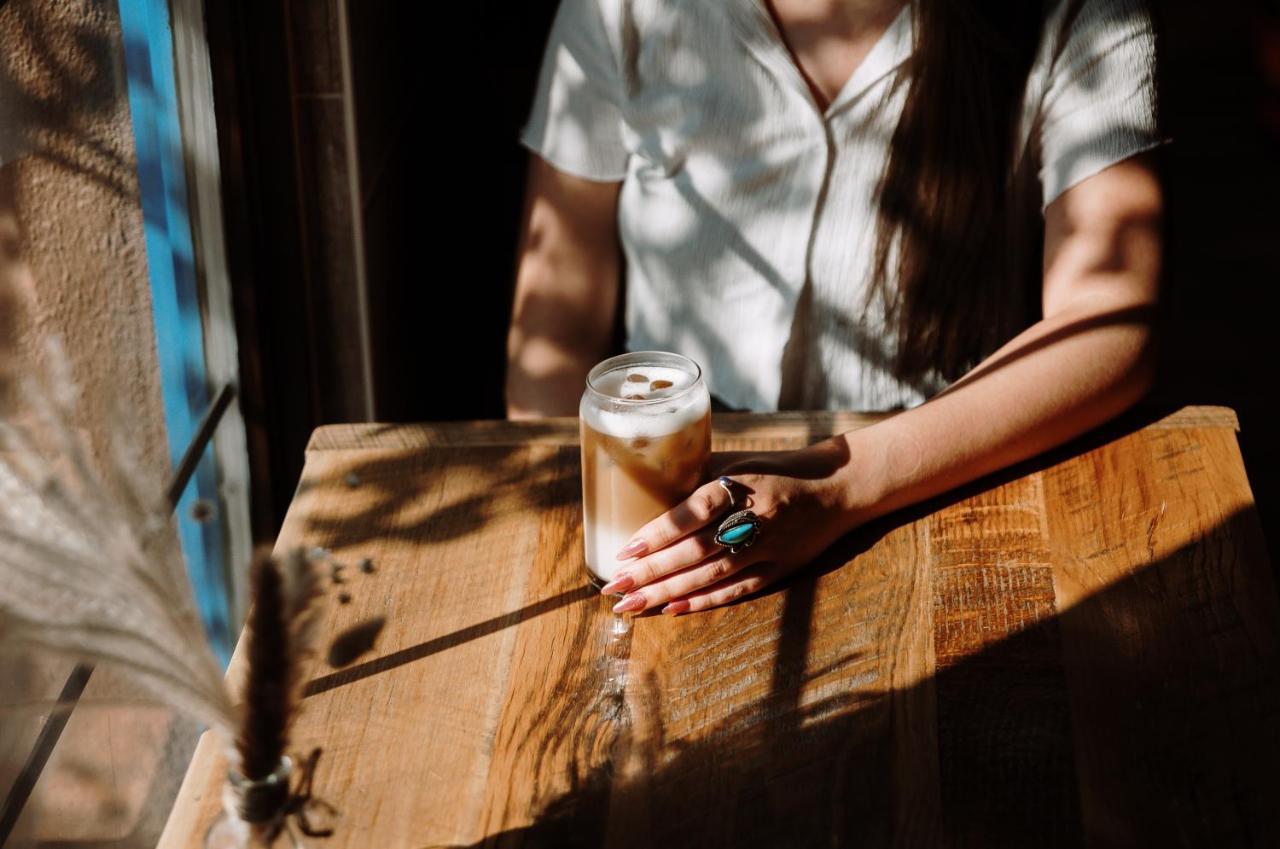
column 252, row 810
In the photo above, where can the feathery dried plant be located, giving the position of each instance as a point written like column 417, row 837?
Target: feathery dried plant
column 280, row 629
column 89, row 559
column 90, row 567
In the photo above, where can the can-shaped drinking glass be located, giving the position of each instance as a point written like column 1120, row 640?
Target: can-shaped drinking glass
column 645, row 423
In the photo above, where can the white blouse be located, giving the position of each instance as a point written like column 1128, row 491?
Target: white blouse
column 747, row 215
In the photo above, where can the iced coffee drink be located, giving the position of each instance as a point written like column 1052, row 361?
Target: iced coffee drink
column 645, row 420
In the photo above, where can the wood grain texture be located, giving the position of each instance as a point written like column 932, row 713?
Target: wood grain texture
column 1004, row 719
column 1169, row 621
column 1079, row 652
column 796, row 427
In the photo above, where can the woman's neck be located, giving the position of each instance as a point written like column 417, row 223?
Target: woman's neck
column 828, row 39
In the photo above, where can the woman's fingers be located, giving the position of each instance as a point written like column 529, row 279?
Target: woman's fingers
column 664, row 561
column 755, row 577
column 706, row 503
column 683, row 582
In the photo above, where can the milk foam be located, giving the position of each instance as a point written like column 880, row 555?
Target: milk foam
column 652, row 419
column 602, row 543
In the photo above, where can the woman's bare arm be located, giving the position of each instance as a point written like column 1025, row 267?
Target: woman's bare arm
column 566, row 296
column 1089, row 358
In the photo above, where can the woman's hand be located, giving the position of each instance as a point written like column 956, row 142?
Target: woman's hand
column 801, row 498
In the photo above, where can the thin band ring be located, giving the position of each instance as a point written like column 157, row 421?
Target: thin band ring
column 724, row 483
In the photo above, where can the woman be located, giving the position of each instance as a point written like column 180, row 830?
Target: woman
column 853, row 204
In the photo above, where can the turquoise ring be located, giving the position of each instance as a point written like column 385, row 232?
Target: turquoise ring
column 738, row 531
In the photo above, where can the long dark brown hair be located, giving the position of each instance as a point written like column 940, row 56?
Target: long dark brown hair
column 945, row 199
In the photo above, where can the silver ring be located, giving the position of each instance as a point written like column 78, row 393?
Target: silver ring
column 724, row 482
column 738, row 531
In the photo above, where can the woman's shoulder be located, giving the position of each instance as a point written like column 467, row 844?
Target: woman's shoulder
column 1092, row 94
column 1074, row 29
column 1101, row 45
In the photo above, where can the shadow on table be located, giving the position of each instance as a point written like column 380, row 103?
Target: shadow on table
column 401, row 484
column 1169, row 730
column 388, row 662
column 560, row 493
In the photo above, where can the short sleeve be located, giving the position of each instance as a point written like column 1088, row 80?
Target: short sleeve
column 576, row 120
column 1099, row 104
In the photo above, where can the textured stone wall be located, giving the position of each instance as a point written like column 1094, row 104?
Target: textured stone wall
column 68, row 139
column 71, row 232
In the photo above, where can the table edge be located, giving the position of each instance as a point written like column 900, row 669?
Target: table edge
column 564, row 430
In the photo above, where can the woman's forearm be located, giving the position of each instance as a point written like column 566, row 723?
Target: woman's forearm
column 1058, row 379
column 1089, row 359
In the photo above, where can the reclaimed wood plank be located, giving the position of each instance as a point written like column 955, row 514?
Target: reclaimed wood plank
column 555, row 731
column 450, row 535
column 1004, row 725
column 564, row 431
column 807, row 426
column 935, row 679
column 1169, row 619
column 800, row 717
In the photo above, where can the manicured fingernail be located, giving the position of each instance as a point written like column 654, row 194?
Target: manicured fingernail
column 619, row 584
column 676, row 607
column 629, row 604
column 633, row 549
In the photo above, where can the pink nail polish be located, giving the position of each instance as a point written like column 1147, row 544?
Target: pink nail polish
column 630, row 604
column 633, row 549
column 620, row 584
column 676, row 607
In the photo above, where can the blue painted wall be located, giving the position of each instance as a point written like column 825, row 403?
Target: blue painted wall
column 148, row 43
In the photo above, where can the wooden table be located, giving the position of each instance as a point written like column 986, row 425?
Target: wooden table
column 1080, row 652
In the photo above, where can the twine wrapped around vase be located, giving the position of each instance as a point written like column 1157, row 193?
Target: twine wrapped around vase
column 259, row 800
column 257, row 812
column 253, row 809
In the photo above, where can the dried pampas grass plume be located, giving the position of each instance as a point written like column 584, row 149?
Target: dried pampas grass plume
column 90, row 567
column 280, row 634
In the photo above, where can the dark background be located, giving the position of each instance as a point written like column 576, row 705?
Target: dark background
column 439, row 93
